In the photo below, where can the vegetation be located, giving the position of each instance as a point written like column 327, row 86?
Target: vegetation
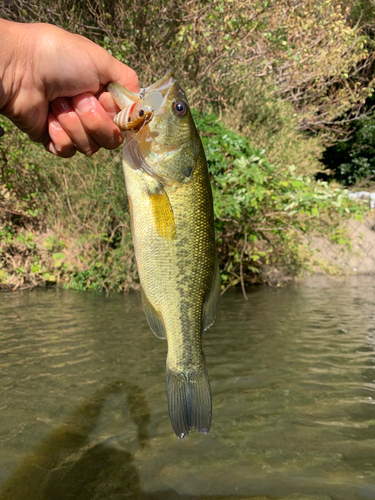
column 265, row 214
column 317, row 57
column 273, row 84
column 67, row 221
column 62, row 220
column 352, row 162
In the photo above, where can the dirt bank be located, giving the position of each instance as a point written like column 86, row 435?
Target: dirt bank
column 338, row 259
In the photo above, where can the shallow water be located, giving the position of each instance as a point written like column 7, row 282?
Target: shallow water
column 83, row 411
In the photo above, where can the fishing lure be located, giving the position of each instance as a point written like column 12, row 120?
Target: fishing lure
column 133, row 116
column 138, row 110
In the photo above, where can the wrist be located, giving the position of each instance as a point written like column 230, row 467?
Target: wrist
column 14, row 62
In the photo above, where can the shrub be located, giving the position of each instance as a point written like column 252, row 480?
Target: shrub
column 62, row 220
column 271, row 124
column 67, row 221
column 353, row 161
column 318, row 60
column 265, row 214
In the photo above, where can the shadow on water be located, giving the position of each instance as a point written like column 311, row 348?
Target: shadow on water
column 65, row 466
column 362, row 457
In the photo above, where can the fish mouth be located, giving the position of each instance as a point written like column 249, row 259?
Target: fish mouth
column 155, row 96
column 164, row 84
column 146, row 153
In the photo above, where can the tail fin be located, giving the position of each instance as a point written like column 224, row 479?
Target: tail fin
column 189, row 402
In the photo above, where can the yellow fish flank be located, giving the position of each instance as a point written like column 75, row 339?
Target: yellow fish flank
column 172, row 217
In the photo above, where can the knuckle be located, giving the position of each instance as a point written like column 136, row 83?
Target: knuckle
column 89, row 150
column 67, row 152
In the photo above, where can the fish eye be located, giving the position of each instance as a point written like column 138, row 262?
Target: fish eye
column 141, row 113
column 180, row 108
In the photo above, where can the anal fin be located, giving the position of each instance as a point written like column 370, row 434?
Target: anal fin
column 211, row 303
column 153, row 317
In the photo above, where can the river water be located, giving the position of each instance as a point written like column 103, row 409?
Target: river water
column 83, row 411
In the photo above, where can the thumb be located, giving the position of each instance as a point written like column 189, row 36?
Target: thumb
column 112, row 70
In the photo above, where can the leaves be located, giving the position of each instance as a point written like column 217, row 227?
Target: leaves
column 274, row 207
column 317, row 60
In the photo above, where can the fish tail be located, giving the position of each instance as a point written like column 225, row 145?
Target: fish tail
column 189, row 402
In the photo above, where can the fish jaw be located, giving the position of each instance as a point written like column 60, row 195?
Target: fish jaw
column 153, row 96
column 163, row 84
column 165, row 146
column 122, row 96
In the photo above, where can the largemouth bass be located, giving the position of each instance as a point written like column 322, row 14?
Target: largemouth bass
column 172, row 221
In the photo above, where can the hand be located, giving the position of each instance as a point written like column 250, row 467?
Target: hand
column 52, row 86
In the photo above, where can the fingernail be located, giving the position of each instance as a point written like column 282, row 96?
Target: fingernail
column 63, row 105
column 85, row 105
column 120, row 140
column 57, row 125
column 51, row 149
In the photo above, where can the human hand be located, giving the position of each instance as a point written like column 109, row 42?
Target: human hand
column 51, row 87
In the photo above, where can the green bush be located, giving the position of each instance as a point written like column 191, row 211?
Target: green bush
column 264, row 214
column 353, row 161
column 67, row 221
column 255, row 110
column 318, row 60
column 62, row 220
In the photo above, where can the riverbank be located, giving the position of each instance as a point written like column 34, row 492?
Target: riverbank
column 67, row 221
column 62, row 265
column 344, row 260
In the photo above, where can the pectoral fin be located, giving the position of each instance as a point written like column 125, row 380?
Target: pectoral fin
column 153, row 317
column 162, row 214
column 211, row 302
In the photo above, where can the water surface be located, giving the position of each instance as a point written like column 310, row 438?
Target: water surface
column 83, row 411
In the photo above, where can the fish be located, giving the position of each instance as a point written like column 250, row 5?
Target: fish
column 172, row 224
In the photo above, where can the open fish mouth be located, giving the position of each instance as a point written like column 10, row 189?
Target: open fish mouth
column 158, row 93
column 150, row 101
column 148, row 119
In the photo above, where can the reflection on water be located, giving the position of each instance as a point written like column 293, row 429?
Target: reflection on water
column 65, row 466
column 83, row 411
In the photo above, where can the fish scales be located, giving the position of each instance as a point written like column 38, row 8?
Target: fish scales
column 179, row 275
column 172, row 217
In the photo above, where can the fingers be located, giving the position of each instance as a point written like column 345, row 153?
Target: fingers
column 81, row 124
column 108, row 103
column 96, row 121
column 69, row 120
column 59, row 143
column 132, row 82
column 112, row 70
